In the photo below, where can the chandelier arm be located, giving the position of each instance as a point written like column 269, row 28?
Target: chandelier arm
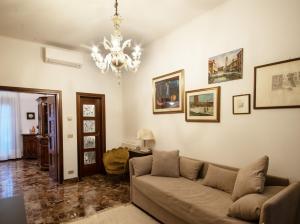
column 126, row 43
column 107, row 45
column 132, row 64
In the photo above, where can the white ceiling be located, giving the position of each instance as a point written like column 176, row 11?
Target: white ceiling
column 74, row 23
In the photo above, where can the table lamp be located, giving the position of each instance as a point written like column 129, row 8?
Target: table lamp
column 145, row 135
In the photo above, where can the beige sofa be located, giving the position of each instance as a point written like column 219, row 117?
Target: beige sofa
column 183, row 201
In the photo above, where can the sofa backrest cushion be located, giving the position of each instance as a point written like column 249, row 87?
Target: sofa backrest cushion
column 270, row 180
column 251, row 178
column 249, row 206
column 189, row 168
column 220, row 178
column 165, row 163
column 142, row 165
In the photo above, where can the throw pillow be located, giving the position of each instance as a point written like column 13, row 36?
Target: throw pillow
column 251, row 179
column 189, row 168
column 165, row 163
column 249, row 206
column 142, row 165
column 220, row 178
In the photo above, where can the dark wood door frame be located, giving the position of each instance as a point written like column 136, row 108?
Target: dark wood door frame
column 102, row 126
column 58, row 95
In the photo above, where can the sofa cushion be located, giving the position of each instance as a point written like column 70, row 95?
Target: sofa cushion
column 188, row 200
column 189, row 168
column 251, row 179
column 220, row 178
column 249, row 206
column 142, row 165
column 165, row 163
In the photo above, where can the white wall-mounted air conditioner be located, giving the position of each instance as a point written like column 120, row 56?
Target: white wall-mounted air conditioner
column 63, row 57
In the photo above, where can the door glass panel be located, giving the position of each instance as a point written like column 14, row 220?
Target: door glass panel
column 88, row 110
column 89, row 142
column 50, row 126
column 50, row 143
column 89, row 126
column 89, row 158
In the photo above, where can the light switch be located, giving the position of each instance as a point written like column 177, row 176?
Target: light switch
column 69, row 118
column 70, row 135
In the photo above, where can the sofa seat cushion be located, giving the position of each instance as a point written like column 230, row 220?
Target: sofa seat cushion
column 188, row 200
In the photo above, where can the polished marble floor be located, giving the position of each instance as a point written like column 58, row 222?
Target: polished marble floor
column 48, row 202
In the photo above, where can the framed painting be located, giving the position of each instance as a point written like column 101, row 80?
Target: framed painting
column 226, row 67
column 241, row 104
column 277, row 85
column 168, row 93
column 203, row 105
column 30, row 115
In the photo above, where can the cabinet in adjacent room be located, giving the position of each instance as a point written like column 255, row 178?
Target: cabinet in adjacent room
column 42, row 137
column 29, row 146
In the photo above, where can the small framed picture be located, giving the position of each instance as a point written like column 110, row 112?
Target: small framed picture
column 203, row 105
column 241, row 104
column 30, row 115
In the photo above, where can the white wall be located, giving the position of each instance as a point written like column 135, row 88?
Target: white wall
column 22, row 66
column 28, row 104
column 269, row 31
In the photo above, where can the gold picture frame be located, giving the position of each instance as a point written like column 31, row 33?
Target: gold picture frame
column 203, row 105
column 168, row 93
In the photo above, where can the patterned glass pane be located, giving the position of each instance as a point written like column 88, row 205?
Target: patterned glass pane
column 89, row 126
column 88, row 110
column 89, row 142
column 89, row 158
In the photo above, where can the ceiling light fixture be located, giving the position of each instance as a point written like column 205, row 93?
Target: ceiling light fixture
column 116, row 59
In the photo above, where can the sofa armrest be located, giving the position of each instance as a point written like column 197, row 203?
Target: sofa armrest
column 131, row 169
column 139, row 166
column 283, row 207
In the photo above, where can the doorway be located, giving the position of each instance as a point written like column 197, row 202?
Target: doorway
column 91, row 135
column 54, row 103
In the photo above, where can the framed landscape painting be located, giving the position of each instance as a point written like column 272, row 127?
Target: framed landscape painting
column 277, row 85
column 203, row 105
column 168, row 93
column 226, row 67
column 241, row 104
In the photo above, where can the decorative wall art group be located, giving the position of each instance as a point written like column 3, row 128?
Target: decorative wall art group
column 276, row 85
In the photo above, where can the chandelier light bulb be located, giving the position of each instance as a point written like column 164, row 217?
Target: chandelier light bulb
column 95, row 49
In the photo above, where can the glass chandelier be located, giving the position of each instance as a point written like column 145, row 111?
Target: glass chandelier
column 116, row 59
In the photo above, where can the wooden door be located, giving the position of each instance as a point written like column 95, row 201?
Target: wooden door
column 90, row 133
column 52, row 137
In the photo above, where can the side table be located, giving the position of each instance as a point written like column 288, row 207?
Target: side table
column 138, row 153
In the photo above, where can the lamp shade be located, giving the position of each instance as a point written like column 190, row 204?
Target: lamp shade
column 145, row 134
